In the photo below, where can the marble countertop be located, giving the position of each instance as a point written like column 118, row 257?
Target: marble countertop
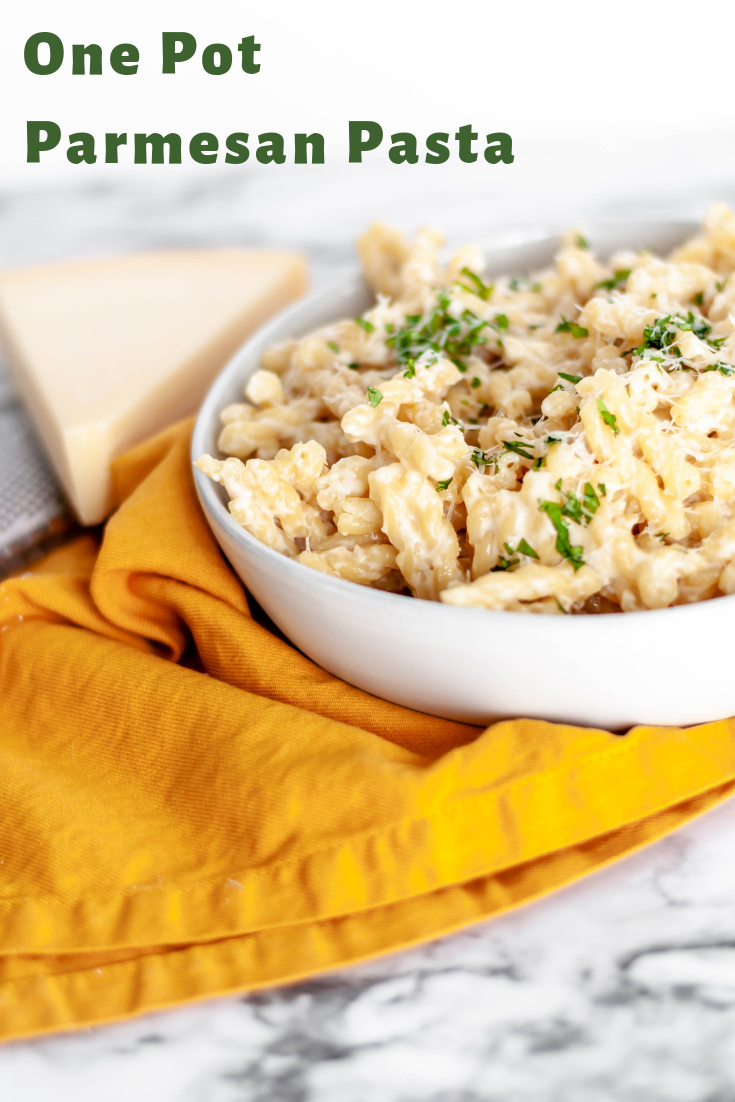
column 619, row 988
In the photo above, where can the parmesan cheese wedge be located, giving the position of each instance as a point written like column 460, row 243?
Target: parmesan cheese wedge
column 106, row 352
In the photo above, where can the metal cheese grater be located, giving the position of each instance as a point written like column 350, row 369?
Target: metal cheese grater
column 33, row 513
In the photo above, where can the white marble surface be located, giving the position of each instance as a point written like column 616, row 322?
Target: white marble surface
column 618, row 989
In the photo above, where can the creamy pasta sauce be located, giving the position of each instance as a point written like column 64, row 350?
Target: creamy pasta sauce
column 563, row 442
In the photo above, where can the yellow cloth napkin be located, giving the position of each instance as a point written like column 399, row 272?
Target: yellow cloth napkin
column 190, row 807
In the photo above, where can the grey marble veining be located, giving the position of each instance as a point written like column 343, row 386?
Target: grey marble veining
column 620, row 988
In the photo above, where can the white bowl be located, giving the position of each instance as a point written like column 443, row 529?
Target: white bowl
column 669, row 666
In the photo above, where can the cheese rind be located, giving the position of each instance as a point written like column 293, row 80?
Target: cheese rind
column 106, row 352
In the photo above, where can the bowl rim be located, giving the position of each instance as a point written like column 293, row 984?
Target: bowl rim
column 349, row 283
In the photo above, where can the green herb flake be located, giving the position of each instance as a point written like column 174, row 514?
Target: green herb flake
column 609, row 418
column 512, row 559
column 723, row 368
column 577, row 331
column 590, row 500
column 554, row 512
column 475, row 383
column 503, row 563
column 440, row 333
column 515, row 284
column 374, row 396
column 447, row 419
column 662, row 334
column 581, row 241
column 411, row 371
column 354, row 367
column 569, row 378
column 501, row 321
column 526, row 549
column 617, row 280
column 481, row 460
column 555, row 388
column 602, row 488
column 698, row 298
column 482, row 290
column 365, row 324
column 519, row 449
column 334, row 347
column 444, row 484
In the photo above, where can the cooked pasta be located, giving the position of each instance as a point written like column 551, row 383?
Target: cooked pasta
column 560, row 442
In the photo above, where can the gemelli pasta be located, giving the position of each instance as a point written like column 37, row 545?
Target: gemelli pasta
column 562, row 442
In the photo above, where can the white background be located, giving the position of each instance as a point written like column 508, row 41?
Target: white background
column 621, row 102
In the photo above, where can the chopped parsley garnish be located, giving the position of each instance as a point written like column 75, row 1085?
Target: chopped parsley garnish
column 555, row 388
column 481, row 460
column 519, row 449
column 526, row 549
column 444, row 484
column 580, row 511
column 662, row 334
column 523, row 548
column 374, row 396
column 698, row 298
column 694, row 323
column 720, row 286
column 501, row 321
column 602, row 488
column 482, row 290
column 581, row 241
column 334, row 347
column 723, row 368
column 577, row 331
column 554, row 512
column 365, row 324
column 616, row 280
column 354, row 367
column 475, row 383
column 716, row 343
column 503, row 563
column 440, row 332
column 569, row 378
column 411, row 371
column 447, row 419
column 609, row 418
column 515, row 284
column 590, row 500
